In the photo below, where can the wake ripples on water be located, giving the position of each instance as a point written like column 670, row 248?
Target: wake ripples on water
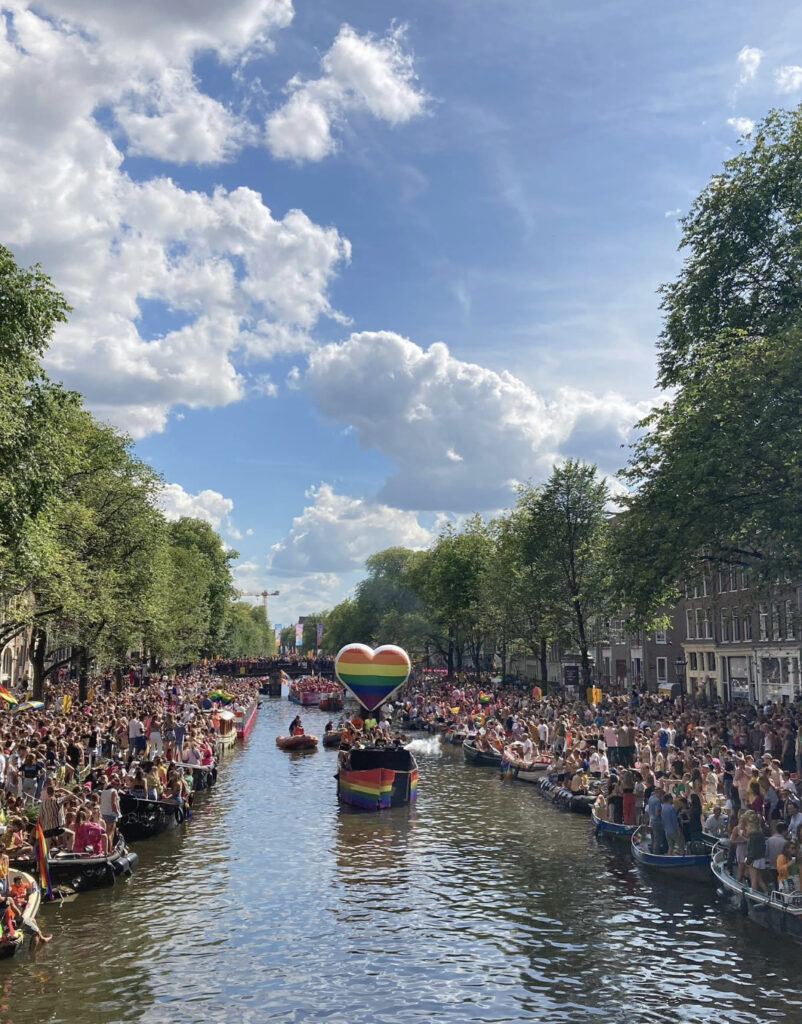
column 480, row 904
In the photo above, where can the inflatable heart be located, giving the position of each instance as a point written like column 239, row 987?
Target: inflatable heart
column 372, row 676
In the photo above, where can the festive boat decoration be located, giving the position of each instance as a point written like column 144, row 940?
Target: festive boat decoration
column 372, row 676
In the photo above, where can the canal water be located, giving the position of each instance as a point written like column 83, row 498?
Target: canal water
column 482, row 903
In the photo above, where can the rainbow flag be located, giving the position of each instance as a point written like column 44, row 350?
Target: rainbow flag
column 41, row 861
column 372, row 676
column 7, row 696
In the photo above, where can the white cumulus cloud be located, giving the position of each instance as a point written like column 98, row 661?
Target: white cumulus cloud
column 741, row 125
column 359, row 73
column 748, row 60
column 208, row 505
column 788, row 78
column 224, row 275
column 421, row 407
column 336, row 533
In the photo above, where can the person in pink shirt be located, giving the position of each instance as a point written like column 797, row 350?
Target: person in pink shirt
column 90, row 838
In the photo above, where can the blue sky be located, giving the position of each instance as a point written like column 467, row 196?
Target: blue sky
column 347, row 269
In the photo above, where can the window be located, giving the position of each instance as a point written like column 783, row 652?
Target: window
column 764, row 623
column 789, row 620
column 607, row 669
column 692, row 664
column 690, row 631
column 688, row 590
column 744, row 579
column 708, row 625
column 711, row 661
column 736, row 626
column 733, row 579
column 660, row 636
column 725, row 624
column 700, row 622
column 722, row 582
column 775, row 622
column 704, row 586
column 747, row 623
column 662, row 670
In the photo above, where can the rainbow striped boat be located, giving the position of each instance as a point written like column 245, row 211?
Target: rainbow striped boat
column 376, row 778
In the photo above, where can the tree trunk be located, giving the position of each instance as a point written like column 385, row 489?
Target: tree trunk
column 450, row 659
column 37, row 651
column 544, row 664
column 583, row 644
column 118, row 678
column 83, row 676
column 503, row 661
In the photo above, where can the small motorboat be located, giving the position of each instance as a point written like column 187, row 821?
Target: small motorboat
column 483, row 758
column 692, row 866
column 525, row 771
column 80, row 871
column 143, row 819
column 611, row 829
column 552, row 788
column 10, row 943
column 304, row 742
column 332, row 738
column 780, row 909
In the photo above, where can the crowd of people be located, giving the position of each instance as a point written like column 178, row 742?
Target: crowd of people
column 729, row 772
column 66, row 767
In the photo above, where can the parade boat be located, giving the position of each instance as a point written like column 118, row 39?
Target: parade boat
column 144, row 819
column 11, row 940
column 331, row 702
column 779, row 910
column 482, row 758
column 611, row 829
column 692, row 866
column 376, row 778
column 244, row 720
column 332, row 738
column 303, row 742
column 80, row 871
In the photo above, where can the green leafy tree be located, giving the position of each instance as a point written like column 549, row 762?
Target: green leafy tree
column 247, row 632
column 567, row 536
column 716, row 477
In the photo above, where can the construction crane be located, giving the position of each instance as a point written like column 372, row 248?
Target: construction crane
column 264, row 594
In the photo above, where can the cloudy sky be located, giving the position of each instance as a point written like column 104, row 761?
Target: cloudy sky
column 346, row 268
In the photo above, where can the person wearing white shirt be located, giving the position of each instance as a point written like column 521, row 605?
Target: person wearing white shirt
column 604, row 765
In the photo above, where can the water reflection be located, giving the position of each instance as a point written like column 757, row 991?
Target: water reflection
column 480, row 903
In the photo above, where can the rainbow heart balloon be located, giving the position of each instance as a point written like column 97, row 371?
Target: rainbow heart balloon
column 372, row 676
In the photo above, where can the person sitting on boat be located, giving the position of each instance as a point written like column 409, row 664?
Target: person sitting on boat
column 18, row 896
column 329, row 726
column 785, row 868
column 90, row 838
column 296, row 728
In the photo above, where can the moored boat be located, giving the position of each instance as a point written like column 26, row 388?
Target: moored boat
column 304, row 742
column 692, row 866
column 483, row 758
column 144, row 819
column 332, row 738
column 244, row 720
column 85, row 871
column 551, row 788
column 779, row 910
column 376, row 778
column 611, row 829
column 525, row 771
column 11, row 940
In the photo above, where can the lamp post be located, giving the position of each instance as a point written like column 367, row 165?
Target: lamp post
column 679, row 666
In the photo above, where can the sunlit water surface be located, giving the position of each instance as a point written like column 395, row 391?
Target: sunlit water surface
column 481, row 903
